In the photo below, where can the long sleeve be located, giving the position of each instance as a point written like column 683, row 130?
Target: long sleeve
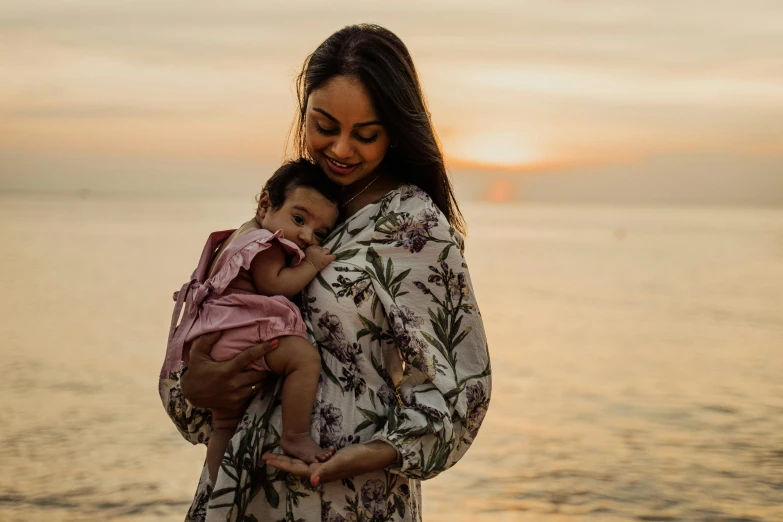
column 420, row 277
column 194, row 424
column 403, row 358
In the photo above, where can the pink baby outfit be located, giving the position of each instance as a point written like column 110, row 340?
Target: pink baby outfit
column 244, row 318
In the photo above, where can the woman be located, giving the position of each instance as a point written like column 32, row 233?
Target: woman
column 405, row 377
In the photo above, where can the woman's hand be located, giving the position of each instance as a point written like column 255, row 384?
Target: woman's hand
column 352, row 460
column 224, row 385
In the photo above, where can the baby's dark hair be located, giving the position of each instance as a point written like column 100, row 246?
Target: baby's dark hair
column 299, row 173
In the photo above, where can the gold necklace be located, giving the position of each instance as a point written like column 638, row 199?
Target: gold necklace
column 361, row 191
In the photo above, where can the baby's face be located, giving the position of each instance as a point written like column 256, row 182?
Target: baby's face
column 305, row 218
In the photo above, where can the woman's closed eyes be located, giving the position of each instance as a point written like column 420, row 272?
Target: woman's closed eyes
column 335, row 131
column 326, row 132
column 366, row 140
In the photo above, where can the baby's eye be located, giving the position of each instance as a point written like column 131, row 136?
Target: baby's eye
column 320, row 236
column 299, row 220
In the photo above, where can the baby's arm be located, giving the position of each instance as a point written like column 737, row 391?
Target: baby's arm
column 271, row 276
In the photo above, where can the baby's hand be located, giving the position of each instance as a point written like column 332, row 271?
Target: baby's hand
column 319, row 256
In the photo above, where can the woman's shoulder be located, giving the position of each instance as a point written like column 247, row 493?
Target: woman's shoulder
column 411, row 220
column 409, row 196
column 409, row 200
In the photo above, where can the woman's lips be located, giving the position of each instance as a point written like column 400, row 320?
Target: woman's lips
column 340, row 168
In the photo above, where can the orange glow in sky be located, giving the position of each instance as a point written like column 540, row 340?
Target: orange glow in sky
column 493, row 149
column 510, row 86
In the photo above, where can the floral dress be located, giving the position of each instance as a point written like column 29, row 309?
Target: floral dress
column 404, row 360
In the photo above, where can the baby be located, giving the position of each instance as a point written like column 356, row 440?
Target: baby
column 242, row 288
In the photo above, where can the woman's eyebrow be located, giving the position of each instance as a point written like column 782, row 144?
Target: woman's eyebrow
column 363, row 124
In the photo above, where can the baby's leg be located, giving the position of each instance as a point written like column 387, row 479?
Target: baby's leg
column 300, row 364
column 224, row 425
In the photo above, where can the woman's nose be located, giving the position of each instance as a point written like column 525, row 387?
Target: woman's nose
column 342, row 148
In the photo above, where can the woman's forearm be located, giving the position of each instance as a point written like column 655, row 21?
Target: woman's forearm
column 378, row 455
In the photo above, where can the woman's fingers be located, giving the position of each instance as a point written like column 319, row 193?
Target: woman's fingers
column 318, row 473
column 203, row 344
column 249, row 356
column 247, row 388
column 249, row 378
column 287, row 464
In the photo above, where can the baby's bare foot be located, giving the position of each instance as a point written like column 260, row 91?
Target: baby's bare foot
column 303, row 447
column 325, row 454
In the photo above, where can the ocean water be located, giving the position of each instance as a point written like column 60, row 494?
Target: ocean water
column 637, row 357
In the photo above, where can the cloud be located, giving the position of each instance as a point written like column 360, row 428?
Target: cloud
column 665, row 33
column 574, row 75
column 97, row 112
column 610, row 85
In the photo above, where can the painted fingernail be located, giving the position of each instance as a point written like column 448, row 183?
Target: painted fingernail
column 274, row 343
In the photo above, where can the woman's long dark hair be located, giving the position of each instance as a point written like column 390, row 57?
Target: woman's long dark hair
column 379, row 59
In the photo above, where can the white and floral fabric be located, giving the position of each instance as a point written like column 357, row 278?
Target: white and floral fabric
column 404, row 360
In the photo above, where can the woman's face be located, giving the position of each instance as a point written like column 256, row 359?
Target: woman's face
column 343, row 132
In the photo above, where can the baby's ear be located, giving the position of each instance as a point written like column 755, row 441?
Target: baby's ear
column 263, row 204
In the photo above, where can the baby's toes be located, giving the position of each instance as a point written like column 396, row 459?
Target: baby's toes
column 322, row 457
column 314, row 459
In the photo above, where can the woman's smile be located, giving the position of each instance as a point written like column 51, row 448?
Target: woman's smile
column 341, row 168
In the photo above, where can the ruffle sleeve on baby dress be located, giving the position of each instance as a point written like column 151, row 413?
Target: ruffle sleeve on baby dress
column 241, row 252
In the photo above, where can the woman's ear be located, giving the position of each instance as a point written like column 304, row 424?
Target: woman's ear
column 263, row 205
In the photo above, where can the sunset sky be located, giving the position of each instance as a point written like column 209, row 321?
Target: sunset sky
column 521, row 85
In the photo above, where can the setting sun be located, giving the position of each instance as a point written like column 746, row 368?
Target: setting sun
column 496, row 149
